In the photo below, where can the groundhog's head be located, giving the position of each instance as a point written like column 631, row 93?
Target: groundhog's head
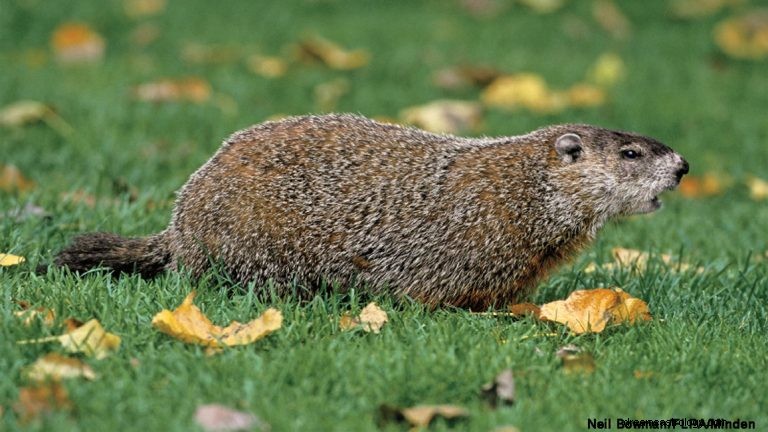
column 624, row 172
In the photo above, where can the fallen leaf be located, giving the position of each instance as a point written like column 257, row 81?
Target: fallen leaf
column 420, row 416
column 331, row 54
column 639, row 374
column 267, row 66
column 40, row 399
column 611, row 18
column 219, row 418
column 456, row 77
column 79, row 197
column 758, row 188
column 522, row 309
column 445, row 116
column 56, row 366
column 607, row 70
column 585, row 95
column 371, row 319
column 198, row 53
column 188, row 324
column 591, row 310
column 11, row 179
column 327, row 94
column 28, row 315
column 638, row 261
column 744, row 36
column 543, row 6
column 7, row 260
column 144, row 34
column 574, row 360
column 77, row 43
column 191, row 89
column 90, row 339
column 23, row 112
column 501, row 391
column 692, row 9
column 709, row 184
column 524, row 90
column 143, row 8
column 482, row 8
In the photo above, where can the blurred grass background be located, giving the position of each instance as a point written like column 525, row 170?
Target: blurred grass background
column 708, row 347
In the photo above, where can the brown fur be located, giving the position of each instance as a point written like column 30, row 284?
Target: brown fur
column 445, row 220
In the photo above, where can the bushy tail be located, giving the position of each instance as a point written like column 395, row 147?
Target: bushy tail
column 147, row 256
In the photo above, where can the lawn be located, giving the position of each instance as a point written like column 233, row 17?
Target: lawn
column 117, row 161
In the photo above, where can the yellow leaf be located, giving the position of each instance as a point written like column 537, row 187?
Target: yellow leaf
column 190, row 89
column 142, row 8
column 331, row 54
column 56, row 366
column 28, row 315
column 7, row 260
column 445, row 116
column 76, row 43
column 267, row 66
column 758, row 188
column 40, row 399
column 523, row 90
column 23, row 112
column 611, row 18
column 745, row 36
column 607, row 70
column 90, row 339
column 11, row 179
column 591, row 310
column 327, row 94
column 421, row 416
column 371, row 319
column 189, row 324
column 585, row 95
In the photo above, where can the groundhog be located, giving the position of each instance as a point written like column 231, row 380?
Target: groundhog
column 448, row 221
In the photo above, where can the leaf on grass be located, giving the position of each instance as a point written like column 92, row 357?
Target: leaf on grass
column 332, row 55
column 522, row 309
column 56, row 366
column 707, row 185
column 585, row 96
column 457, row 77
column 758, row 188
column 445, row 116
column 611, row 18
column 592, row 310
column 543, row 6
column 524, row 90
column 267, row 66
column 77, row 43
column 143, row 8
column 90, row 339
column 574, row 360
column 11, row 179
column 189, row 324
column 327, row 94
column 7, row 260
column 607, row 70
column 744, row 36
column 640, row 374
column 482, row 8
column 23, row 112
column 144, row 34
column 41, row 399
column 420, row 416
column 219, row 418
column 190, row 89
column 692, row 9
column 638, row 261
column 371, row 319
column 501, row 391
column 198, row 53
column 28, row 315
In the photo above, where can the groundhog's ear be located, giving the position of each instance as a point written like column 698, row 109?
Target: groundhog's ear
column 568, row 147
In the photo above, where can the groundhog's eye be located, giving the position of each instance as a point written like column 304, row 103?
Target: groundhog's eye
column 630, row 154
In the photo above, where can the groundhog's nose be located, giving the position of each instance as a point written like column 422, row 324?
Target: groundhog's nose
column 683, row 170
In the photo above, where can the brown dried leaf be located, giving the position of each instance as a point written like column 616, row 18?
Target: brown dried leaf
column 77, row 43
column 744, row 36
column 501, row 391
column 11, row 180
column 331, row 54
column 445, row 116
column 522, row 309
column 190, row 325
column 219, row 418
column 267, row 66
column 56, row 366
column 611, row 18
column 190, row 89
column 421, row 416
column 575, row 360
column 707, row 185
column 758, row 188
column 41, row 399
column 591, row 310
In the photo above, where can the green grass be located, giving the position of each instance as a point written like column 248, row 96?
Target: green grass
column 707, row 347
